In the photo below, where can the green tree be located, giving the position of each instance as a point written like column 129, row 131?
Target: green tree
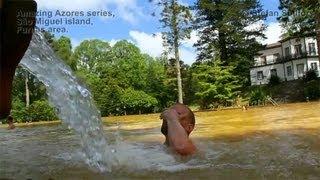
column 36, row 89
column 312, row 89
column 176, row 20
column 156, row 76
column 91, row 53
column 171, row 79
column 226, row 33
column 130, row 65
column 215, row 83
column 105, row 90
column 191, row 85
column 301, row 17
column 63, row 49
column 41, row 111
column 121, row 67
column 137, row 101
column 19, row 111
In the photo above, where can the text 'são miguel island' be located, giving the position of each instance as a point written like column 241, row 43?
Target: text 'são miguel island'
column 58, row 21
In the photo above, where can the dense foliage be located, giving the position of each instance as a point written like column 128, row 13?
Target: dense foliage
column 312, row 89
column 37, row 111
column 229, row 31
column 214, row 83
column 258, row 95
column 274, row 80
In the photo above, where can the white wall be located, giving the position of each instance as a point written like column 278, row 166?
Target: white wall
column 266, row 73
column 300, row 61
column 269, row 55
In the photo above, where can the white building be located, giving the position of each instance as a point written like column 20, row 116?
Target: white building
column 289, row 59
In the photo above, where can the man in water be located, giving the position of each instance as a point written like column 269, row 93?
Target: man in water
column 10, row 123
column 177, row 123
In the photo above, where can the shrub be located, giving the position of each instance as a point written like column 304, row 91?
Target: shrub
column 274, row 80
column 19, row 111
column 311, row 75
column 136, row 101
column 257, row 96
column 41, row 110
column 312, row 89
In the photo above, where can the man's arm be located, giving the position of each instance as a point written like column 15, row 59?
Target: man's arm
column 177, row 136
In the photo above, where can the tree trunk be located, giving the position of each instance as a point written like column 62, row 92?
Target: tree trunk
column 27, row 90
column 176, row 52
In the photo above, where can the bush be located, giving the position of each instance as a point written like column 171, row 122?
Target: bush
column 41, row 110
column 274, row 80
column 19, row 111
column 257, row 96
column 311, row 75
column 37, row 111
column 312, row 89
column 137, row 101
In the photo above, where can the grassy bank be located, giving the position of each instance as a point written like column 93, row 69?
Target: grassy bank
column 39, row 123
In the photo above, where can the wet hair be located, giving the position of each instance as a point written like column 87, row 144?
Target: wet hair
column 189, row 115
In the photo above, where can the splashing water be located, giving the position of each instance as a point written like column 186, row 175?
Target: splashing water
column 73, row 101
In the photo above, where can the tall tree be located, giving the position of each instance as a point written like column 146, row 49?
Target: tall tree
column 176, row 19
column 90, row 53
column 214, row 83
column 63, row 48
column 229, row 31
column 130, row 64
column 301, row 17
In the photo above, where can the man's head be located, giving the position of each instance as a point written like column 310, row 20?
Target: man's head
column 186, row 118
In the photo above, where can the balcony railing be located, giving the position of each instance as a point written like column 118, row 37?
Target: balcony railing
column 287, row 58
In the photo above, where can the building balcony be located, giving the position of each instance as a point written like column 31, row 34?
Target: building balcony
column 290, row 57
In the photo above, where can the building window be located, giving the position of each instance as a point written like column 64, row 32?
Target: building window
column 300, row 70
column 276, row 57
column 260, row 75
column 263, row 60
column 273, row 72
column 287, row 52
column 314, row 66
column 289, row 71
column 298, row 50
column 312, row 48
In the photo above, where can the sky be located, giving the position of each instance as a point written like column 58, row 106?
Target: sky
column 114, row 20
